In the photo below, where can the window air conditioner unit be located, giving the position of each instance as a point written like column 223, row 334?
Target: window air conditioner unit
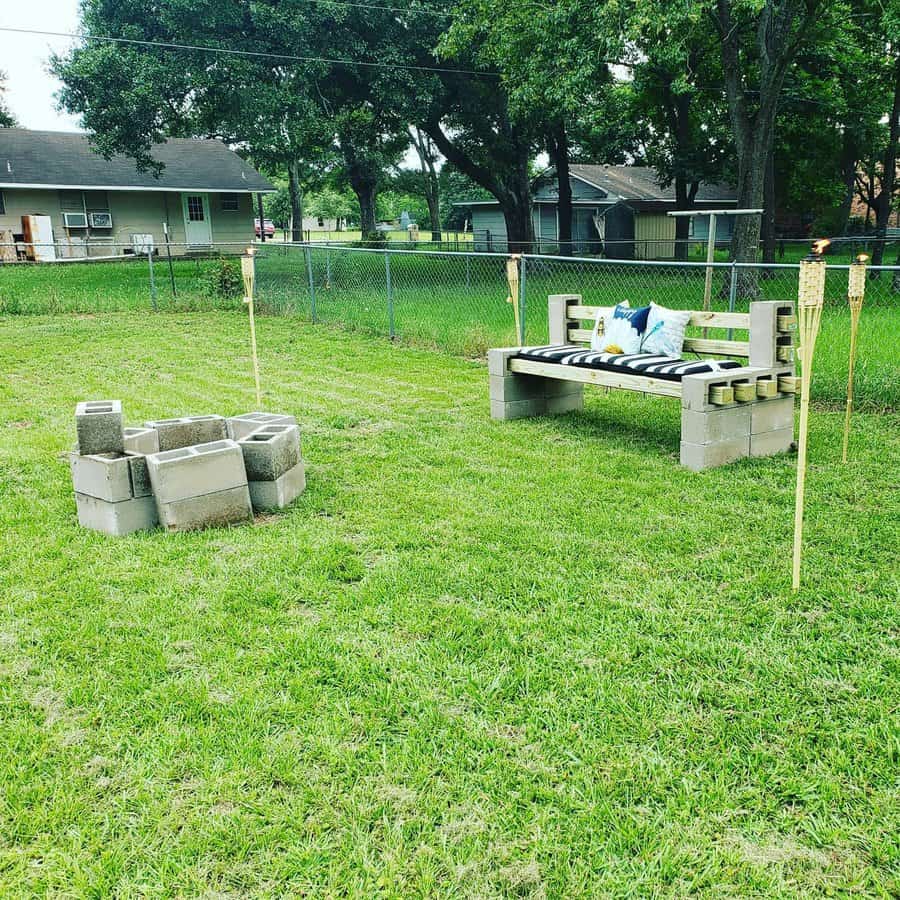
column 75, row 220
column 101, row 220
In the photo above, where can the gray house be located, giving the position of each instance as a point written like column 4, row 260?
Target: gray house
column 619, row 211
column 60, row 199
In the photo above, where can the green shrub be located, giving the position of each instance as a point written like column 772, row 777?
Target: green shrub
column 223, row 280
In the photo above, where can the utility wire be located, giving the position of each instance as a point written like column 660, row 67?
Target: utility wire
column 255, row 54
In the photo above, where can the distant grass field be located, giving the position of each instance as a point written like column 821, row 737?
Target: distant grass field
column 457, row 302
column 475, row 659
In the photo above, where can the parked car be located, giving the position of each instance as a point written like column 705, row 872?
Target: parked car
column 269, row 226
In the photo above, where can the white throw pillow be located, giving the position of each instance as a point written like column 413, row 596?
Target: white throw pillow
column 619, row 334
column 665, row 330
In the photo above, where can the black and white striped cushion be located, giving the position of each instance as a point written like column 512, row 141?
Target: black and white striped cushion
column 652, row 364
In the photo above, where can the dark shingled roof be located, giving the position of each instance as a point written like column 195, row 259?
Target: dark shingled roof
column 640, row 183
column 65, row 160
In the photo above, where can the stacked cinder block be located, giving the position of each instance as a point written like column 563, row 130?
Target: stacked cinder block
column 185, row 473
column 112, row 492
column 274, row 465
column 516, row 396
column 199, row 486
column 240, row 426
column 743, row 412
column 188, row 431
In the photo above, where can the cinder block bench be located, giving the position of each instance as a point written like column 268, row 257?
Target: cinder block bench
column 729, row 409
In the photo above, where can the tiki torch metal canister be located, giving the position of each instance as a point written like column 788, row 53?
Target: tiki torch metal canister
column 856, row 292
column 248, row 271
column 810, row 300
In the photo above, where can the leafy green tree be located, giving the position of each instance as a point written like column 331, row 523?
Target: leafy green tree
column 6, row 117
column 288, row 115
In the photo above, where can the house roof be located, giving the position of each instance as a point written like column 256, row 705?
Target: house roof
column 57, row 159
column 641, row 183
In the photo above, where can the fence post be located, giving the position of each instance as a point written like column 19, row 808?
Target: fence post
column 522, row 304
column 152, row 279
column 732, row 295
column 390, row 294
column 169, row 257
column 312, row 287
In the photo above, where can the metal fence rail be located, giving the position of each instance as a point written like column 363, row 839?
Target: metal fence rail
column 458, row 301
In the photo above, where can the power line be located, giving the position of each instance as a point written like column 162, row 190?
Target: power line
column 425, row 10
column 255, row 54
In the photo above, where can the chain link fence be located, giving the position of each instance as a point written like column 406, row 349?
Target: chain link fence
column 458, row 301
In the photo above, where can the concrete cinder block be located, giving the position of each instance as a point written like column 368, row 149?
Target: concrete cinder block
column 555, row 387
column 99, row 427
column 188, row 430
column 104, row 476
column 140, row 476
column 557, row 318
column 772, row 415
column 764, row 335
column 278, row 493
column 516, row 387
column 715, row 425
column 194, row 471
column 125, row 517
column 240, row 426
column 141, row 440
column 270, row 452
column 518, row 409
column 707, row 456
column 228, row 507
column 498, row 360
column 768, row 443
column 565, row 403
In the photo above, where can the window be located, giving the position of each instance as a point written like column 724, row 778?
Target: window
column 195, row 209
column 230, row 202
column 321, row 222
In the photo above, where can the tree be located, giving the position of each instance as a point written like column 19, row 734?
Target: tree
column 288, row 115
column 428, row 157
column 6, row 117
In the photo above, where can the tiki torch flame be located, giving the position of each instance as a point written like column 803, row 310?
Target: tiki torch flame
column 819, row 246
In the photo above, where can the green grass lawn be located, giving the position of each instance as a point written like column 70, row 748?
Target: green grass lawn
column 475, row 659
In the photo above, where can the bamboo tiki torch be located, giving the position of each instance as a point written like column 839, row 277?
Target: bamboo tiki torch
column 855, row 294
column 810, row 300
column 512, row 276
column 248, row 270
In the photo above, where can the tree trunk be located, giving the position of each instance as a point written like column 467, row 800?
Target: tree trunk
column 510, row 185
column 366, row 190
column 849, row 163
column 777, row 38
column 684, row 199
column 431, row 185
column 296, row 201
column 885, row 198
column 558, row 148
column 768, row 222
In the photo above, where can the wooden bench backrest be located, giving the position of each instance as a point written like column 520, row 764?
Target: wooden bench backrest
column 587, row 315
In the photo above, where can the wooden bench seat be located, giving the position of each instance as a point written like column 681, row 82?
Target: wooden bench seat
column 730, row 408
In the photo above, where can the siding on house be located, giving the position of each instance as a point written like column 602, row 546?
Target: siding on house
column 489, row 229
column 700, row 228
column 654, row 236
column 133, row 212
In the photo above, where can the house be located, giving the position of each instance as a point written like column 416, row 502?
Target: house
column 620, row 211
column 60, row 199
